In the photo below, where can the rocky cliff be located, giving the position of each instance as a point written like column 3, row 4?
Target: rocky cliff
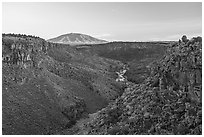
column 168, row 102
column 46, row 87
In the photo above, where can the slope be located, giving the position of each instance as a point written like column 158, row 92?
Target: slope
column 47, row 87
column 137, row 55
column 168, row 102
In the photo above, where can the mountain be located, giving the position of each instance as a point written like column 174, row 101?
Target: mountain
column 76, row 39
column 46, row 86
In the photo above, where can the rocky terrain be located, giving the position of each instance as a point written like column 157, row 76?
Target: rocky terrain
column 47, row 87
column 114, row 88
column 75, row 39
column 169, row 102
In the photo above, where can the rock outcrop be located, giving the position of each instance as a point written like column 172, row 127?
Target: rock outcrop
column 168, row 102
column 46, row 87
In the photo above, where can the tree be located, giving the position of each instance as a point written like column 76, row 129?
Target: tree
column 184, row 39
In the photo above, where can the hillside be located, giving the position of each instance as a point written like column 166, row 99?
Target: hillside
column 75, row 39
column 169, row 102
column 137, row 55
column 46, row 87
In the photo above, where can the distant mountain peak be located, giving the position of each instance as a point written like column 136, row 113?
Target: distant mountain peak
column 76, row 39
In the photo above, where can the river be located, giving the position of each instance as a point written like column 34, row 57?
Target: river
column 121, row 74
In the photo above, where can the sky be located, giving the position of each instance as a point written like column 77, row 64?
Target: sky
column 116, row 21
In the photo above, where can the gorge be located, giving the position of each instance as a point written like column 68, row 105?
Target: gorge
column 100, row 89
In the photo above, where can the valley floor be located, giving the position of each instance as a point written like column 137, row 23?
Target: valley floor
column 80, row 127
